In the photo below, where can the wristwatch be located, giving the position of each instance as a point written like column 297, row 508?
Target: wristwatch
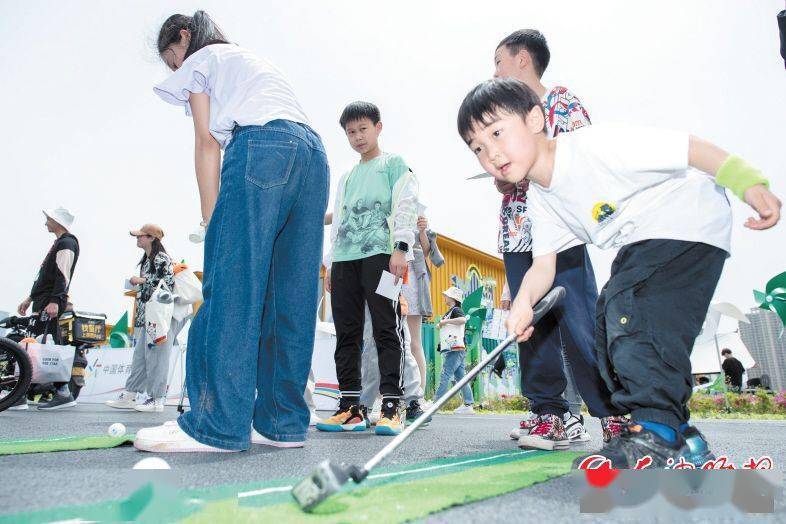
column 401, row 246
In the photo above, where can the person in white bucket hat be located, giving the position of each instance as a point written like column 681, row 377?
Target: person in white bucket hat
column 49, row 293
column 451, row 345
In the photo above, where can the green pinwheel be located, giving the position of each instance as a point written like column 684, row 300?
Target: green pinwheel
column 477, row 315
column 775, row 297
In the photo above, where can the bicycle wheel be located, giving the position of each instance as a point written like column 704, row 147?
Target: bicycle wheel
column 16, row 371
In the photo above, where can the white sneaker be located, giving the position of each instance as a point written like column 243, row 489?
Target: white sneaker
column 126, row 400
column 466, row 409
column 574, row 427
column 314, row 419
column 151, row 406
column 169, row 438
column 256, row 438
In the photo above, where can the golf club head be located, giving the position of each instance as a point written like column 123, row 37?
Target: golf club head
column 324, row 481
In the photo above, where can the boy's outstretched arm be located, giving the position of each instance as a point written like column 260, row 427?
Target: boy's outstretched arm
column 537, row 282
column 743, row 180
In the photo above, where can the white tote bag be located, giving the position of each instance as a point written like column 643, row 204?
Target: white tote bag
column 188, row 288
column 158, row 314
column 51, row 363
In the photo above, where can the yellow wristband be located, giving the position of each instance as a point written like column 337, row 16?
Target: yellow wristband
column 739, row 176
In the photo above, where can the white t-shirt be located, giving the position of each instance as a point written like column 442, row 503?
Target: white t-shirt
column 244, row 89
column 614, row 185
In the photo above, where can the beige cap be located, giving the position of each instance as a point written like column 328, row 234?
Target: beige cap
column 149, row 229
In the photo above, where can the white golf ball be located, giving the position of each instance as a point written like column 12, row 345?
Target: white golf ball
column 152, row 463
column 116, row 430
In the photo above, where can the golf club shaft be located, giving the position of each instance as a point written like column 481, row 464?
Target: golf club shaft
column 396, row 442
column 556, row 293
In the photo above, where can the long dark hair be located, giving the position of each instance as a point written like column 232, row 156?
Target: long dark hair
column 202, row 28
column 155, row 248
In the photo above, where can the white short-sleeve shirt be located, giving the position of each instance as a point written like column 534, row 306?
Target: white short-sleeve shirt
column 614, row 185
column 244, row 89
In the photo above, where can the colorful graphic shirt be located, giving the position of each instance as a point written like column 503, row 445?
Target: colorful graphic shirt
column 564, row 113
column 160, row 268
column 363, row 229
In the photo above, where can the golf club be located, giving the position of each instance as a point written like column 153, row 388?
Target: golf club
column 329, row 477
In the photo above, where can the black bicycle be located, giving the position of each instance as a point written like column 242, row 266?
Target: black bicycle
column 16, row 370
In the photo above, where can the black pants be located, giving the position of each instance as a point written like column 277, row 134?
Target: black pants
column 648, row 317
column 569, row 325
column 353, row 284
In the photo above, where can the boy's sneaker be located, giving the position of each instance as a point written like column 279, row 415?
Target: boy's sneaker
column 696, row 449
column 169, row 438
column 525, row 426
column 549, row 435
column 151, row 405
column 58, row 402
column 313, row 418
column 466, row 409
column 636, row 443
column 414, row 412
column 613, row 427
column 126, row 400
column 20, row 404
column 574, row 427
column 256, row 438
column 390, row 423
column 347, row 418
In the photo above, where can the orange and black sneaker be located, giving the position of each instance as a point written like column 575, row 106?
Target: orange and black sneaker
column 390, row 423
column 346, row 418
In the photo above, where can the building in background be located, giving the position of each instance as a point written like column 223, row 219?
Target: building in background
column 768, row 348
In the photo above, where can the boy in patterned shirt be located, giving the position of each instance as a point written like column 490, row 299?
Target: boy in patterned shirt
column 559, row 360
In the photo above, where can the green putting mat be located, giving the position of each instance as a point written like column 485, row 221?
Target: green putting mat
column 389, row 495
column 46, row 445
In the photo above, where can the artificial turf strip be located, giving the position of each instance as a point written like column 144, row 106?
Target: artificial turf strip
column 46, row 445
column 402, row 501
column 414, row 490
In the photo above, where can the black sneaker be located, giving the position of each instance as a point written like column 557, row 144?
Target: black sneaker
column 414, row 411
column 636, row 443
column 58, row 402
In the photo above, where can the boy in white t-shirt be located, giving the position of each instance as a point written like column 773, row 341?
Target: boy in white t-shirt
column 631, row 188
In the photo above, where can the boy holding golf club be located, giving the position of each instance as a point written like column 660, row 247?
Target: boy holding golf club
column 630, row 188
column 374, row 220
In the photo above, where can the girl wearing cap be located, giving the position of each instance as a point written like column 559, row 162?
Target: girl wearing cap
column 150, row 365
column 454, row 353
column 250, row 344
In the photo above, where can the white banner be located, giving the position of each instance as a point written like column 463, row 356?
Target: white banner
column 108, row 369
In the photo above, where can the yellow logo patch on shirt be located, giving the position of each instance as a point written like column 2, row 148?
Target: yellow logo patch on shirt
column 603, row 211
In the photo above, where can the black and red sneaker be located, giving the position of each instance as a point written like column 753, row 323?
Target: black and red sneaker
column 637, row 447
column 525, row 426
column 549, row 435
column 612, row 427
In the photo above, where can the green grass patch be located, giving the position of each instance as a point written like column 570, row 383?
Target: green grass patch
column 46, row 445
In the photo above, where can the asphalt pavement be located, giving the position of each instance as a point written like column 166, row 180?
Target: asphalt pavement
column 38, row 481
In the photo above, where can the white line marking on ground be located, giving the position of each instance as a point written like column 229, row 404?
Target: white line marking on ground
column 280, row 489
column 266, row 491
